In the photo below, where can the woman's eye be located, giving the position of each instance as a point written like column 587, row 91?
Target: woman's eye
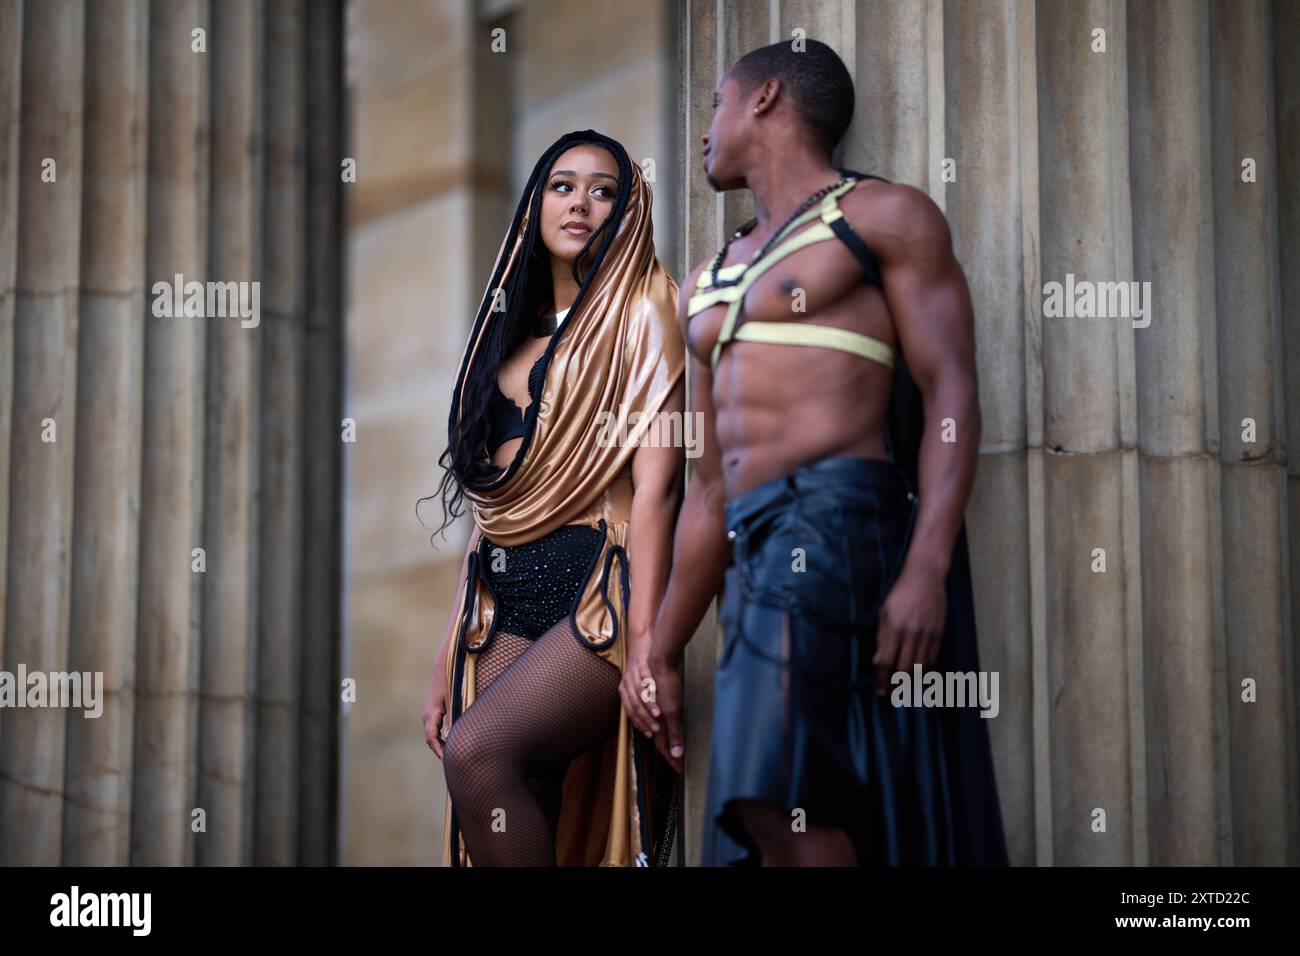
column 558, row 184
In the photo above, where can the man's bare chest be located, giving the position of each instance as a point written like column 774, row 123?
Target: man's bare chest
column 821, row 283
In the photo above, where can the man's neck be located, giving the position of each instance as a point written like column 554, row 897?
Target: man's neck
column 779, row 183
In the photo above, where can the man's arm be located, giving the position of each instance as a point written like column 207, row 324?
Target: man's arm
column 657, row 477
column 701, row 553
column 656, row 480
column 930, row 303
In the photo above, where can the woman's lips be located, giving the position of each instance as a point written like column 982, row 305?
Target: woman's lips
column 576, row 229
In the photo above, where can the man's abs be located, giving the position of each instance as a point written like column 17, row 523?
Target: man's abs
column 781, row 407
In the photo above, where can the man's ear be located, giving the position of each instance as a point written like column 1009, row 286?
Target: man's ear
column 767, row 94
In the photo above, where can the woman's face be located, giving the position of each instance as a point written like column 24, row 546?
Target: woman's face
column 579, row 194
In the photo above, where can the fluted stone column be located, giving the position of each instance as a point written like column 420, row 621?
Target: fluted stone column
column 1180, row 570
column 702, row 233
column 172, row 479
column 1286, row 93
column 43, row 422
column 743, row 28
column 155, row 529
column 895, row 45
column 982, row 72
column 1256, row 600
column 110, row 350
column 280, row 570
column 11, row 61
column 1082, row 120
column 321, row 428
column 227, row 742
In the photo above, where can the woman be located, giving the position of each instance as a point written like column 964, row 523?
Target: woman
column 576, row 330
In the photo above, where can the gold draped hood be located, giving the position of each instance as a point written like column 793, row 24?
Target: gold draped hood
column 618, row 352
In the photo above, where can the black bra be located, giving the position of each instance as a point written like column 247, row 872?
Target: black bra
column 505, row 418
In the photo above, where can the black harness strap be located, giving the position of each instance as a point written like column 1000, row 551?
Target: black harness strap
column 865, row 257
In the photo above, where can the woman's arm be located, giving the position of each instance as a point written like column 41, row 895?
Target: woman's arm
column 453, row 619
column 656, row 491
column 435, row 704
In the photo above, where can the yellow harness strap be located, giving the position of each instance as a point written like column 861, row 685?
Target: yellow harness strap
column 784, row 333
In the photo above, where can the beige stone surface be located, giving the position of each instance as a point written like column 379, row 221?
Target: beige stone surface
column 997, row 529
column 394, row 789
column 1180, row 598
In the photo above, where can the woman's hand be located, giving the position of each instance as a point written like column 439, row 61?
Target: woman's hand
column 637, row 688
column 435, row 709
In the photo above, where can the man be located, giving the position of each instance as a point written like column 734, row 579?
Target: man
column 846, row 568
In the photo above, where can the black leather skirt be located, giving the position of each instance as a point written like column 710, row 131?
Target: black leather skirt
column 797, row 723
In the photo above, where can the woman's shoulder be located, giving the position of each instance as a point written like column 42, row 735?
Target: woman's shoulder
column 654, row 315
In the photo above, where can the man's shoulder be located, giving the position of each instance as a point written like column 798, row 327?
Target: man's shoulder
column 893, row 215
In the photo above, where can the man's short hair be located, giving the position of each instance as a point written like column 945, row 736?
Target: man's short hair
column 816, row 79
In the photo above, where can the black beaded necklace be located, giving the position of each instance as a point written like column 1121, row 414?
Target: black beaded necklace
column 804, row 206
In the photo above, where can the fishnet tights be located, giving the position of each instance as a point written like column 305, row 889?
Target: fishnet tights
column 539, row 704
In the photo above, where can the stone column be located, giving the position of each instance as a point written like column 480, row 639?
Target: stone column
column 1256, row 600
column 135, row 542
column 11, row 62
column 701, row 220
column 105, row 544
column 896, row 46
column 1181, row 567
column 227, row 743
column 321, row 429
column 281, row 477
column 1090, row 506
column 982, row 73
column 1286, row 94
column 43, row 423
column 172, row 477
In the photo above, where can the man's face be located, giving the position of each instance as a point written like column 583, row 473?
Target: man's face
column 726, row 135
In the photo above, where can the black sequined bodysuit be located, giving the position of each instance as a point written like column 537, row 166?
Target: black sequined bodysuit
column 536, row 585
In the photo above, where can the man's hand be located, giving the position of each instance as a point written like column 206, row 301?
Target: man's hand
column 910, row 626
column 670, row 739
